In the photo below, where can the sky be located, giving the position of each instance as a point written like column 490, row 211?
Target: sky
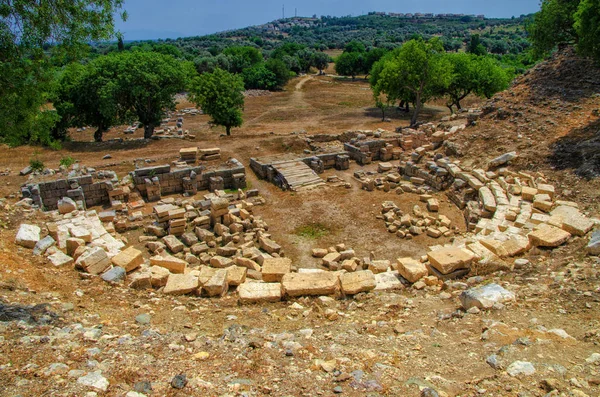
column 153, row 19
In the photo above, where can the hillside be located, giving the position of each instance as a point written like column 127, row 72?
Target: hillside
column 550, row 118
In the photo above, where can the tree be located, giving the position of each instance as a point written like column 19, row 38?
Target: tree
column 415, row 73
column 119, row 88
column 241, row 58
column 220, row 95
column 479, row 75
column 475, row 46
column 26, row 27
column 587, row 26
column 281, row 72
column 553, row 25
column 349, row 64
column 321, row 61
column 148, row 82
column 259, row 77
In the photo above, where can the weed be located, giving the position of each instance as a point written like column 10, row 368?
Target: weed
column 36, row 164
column 312, row 231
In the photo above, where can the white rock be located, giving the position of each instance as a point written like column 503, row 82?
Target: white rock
column 521, row 368
column 28, row 235
column 485, row 297
column 95, row 380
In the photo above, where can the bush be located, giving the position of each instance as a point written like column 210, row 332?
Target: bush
column 67, row 161
column 36, row 164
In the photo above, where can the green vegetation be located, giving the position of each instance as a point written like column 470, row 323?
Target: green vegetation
column 67, row 161
column 36, row 164
column 312, row 231
column 220, row 94
column 26, row 59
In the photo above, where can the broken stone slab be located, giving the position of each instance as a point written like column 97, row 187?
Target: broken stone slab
column 357, row 282
column 42, row 245
column 447, row 260
column 487, row 198
column 485, row 297
column 269, row 246
column 28, row 235
column 380, row 266
column 129, row 259
column 593, row 247
column 299, row 284
column 501, row 160
column 319, row 252
column 66, row 205
column 548, row 236
column 169, row 262
column 173, row 244
column 274, row 269
column 141, row 280
column 181, row 284
column 330, row 258
column 486, row 261
column 73, row 244
column 114, row 275
column 94, row 261
column 217, row 284
column 220, row 262
column 247, row 263
column 253, row 292
column 571, row 220
column 81, row 232
column 60, row 259
column 411, row 269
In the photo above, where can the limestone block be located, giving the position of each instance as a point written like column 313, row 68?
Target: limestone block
column 273, row 269
column 60, row 259
column 236, row 275
column 42, row 245
column 387, row 281
column 129, row 259
column 380, row 266
column 173, row 244
column 169, row 262
column 181, row 284
column 28, row 235
column 159, row 276
column 220, row 262
column 247, row 263
column 548, row 236
column 411, row 269
column 298, row 284
column 356, row 282
column 217, row 284
column 253, row 292
column 447, row 260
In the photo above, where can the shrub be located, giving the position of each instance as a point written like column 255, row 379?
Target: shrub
column 67, row 161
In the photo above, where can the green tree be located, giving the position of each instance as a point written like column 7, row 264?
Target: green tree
column 349, row 64
column 259, row 77
column 587, row 26
column 220, row 94
column 553, row 25
column 241, row 58
column 321, row 61
column 415, row 73
column 25, row 69
column 280, row 70
column 475, row 46
column 479, row 75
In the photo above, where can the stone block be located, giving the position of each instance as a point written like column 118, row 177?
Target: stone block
column 253, row 292
column 140, row 280
column 60, row 259
column 331, row 258
column 387, row 281
column 447, row 260
column 220, row 262
column 269, row 246
column 485, row 297
column 115, row 274
column 129, row 259
column 42, row 245
column 356, row 282
column 189, row 239
column 173, row 244
column 28, row 235
column 181, row 284
column 217, row 284
column 94, row 261
column 247, row 263
column 169, row 262
column 81, row 232
column 236, row 275
column 159, row 276
column 411, row 269
column 273, row 269
column 380, row 266
column 299, row 284
column 66, row 205
column 548, row 236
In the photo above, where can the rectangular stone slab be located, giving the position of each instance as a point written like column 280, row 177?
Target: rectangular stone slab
column 447, row 260
column 356, row 282
column 298, row 284
column 259, row 292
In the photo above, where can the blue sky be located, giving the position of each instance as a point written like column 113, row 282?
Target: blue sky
column 151, row 19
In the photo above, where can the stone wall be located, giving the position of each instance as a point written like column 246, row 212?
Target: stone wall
column 189, row 179
column 47, row 194
column 320, row 162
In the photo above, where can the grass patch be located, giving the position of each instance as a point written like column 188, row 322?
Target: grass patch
column 312, row 231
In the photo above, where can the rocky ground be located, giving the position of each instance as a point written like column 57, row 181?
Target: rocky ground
column 65, row 333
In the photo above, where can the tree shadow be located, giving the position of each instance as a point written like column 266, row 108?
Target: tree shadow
column 38, row 314
column 579, row 150
column 112, row 145
column 396, row 114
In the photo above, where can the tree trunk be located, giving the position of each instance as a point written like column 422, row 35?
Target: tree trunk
column 228, row 130
column 413, row 120
column 148, row 131
column 382, row 113
column 98, row 134
column 449, row 106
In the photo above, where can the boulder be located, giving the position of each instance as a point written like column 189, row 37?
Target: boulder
column 253, row 292
column 593, row 247
column 236, row 275
column 501, row 160
column 387, row 281
column 485, row 297
column 66, row 205
column 298, row 284
column 356, row 282
column 28, row 235
column 411, row 269
column 129, row 259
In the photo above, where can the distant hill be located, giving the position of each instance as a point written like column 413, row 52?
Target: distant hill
column 499, row 36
